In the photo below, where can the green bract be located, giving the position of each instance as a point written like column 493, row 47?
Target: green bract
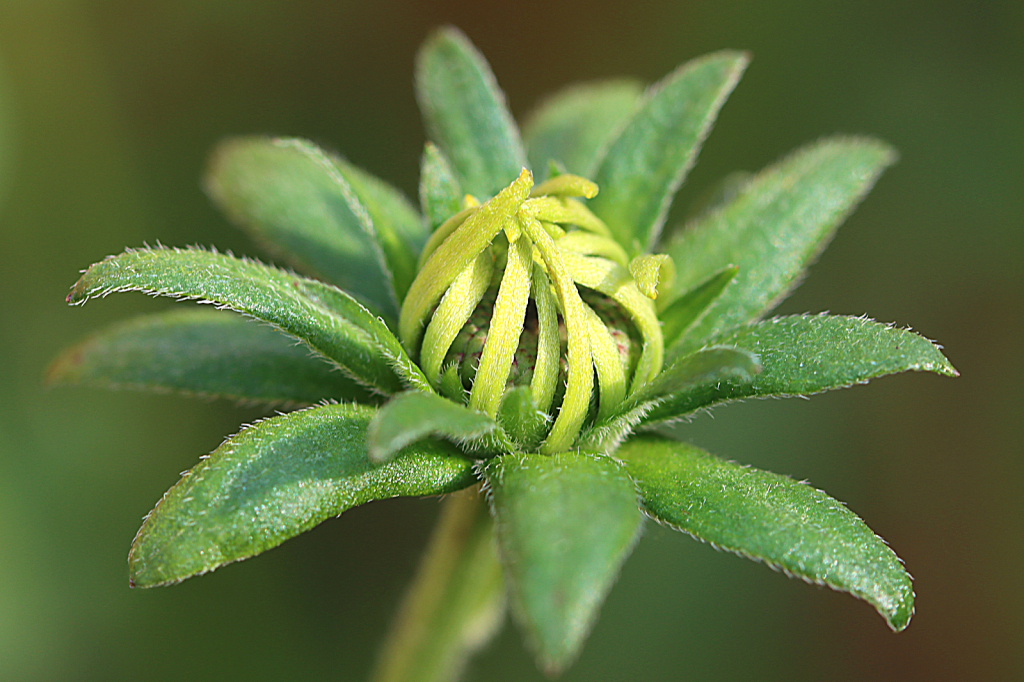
column 510, row 338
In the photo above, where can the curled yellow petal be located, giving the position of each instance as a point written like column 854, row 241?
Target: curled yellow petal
column 652, row 273
column 505, row 330
column 580, row 385
column 565, row 212
column 453, row 312
column 453, row 255
column 566, row 185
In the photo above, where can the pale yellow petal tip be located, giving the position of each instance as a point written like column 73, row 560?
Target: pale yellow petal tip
column 525, row 176
column 566, row 185
column 652, row 273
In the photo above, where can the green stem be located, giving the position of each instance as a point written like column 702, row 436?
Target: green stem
column 455, row 603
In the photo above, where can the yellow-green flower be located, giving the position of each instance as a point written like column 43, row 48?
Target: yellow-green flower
column 537, row 246
column 516, row 338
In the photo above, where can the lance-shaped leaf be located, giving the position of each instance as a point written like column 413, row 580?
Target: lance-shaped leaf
column 805, row 354
column 440, row 193
column 275, row 480
column 205, row 353
column 413, row 416
column 650, row 158
column 778, row 224
column 771, row 518
column 565, row 523
column 466, row 115
column 325, row 318
column 321, row 214
column 575, row 125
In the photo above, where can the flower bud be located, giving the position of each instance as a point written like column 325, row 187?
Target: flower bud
column 530, row 289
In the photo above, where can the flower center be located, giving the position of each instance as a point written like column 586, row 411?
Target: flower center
column 529, row 289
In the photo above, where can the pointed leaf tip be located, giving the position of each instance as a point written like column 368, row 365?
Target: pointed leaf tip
column 440, row 193
column 806, row 354
column 274, row 480
column 770, row 518
column 326, row 319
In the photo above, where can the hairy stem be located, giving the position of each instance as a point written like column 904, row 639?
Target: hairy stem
column 456, row 602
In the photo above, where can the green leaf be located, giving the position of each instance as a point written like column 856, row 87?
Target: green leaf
column 806, row 354
column 574, row 126
column 770, row 518
column 522, row 420
column 277, row 479
column 772, row 231
column 684, row 312
column 205, row 353
column 649, row 160
column 326, row 319
column 320, row 213
column 440, row 193
column 466, row 115
column 565, row 523
column 413, row 416
column 456, row 602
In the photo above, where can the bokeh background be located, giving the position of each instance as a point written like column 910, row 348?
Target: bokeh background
column 107, row 111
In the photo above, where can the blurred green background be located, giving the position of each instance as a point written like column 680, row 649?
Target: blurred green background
column 107, row 111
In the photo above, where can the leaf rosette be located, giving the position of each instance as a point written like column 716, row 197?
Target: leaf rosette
column 518, row 336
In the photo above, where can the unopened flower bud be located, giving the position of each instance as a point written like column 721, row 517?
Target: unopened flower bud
column 530, row 289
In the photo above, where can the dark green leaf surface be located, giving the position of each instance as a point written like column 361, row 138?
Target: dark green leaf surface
column 466, row 115
column 647, row 163
column 684, row 312
column 275, row 480
column 415, row 415
column 565, row 523
column 440, row 193
column 805, row 354
column 771, row 518
column 205, row 353
column 773, row 230
column 574, row 126
column 321, row 214
column 328, row 320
